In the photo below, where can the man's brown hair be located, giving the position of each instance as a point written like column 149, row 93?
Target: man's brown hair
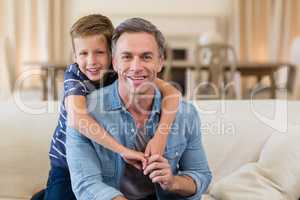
column 94, row 24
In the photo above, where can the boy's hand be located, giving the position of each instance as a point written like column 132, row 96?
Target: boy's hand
column 134, row 158
column 156, row 145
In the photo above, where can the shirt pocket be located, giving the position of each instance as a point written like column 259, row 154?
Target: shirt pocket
column 173, row 155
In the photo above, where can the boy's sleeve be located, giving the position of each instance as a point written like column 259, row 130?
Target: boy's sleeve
column 73, row 85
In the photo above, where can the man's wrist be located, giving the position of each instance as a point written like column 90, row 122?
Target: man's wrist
column 180, row 181
column 120, row 197
column 174, row 185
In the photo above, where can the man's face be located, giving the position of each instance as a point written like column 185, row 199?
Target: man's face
column 137, row 61
column 92, row 56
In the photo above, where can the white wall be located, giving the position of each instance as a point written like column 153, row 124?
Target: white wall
column 118, row 9
column 151, row 7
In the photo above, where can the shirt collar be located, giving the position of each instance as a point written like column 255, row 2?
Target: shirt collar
column 116, row 102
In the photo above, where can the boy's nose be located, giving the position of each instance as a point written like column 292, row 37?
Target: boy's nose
column 91, row 59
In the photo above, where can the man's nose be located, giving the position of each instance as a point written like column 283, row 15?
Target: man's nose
column 136, row 64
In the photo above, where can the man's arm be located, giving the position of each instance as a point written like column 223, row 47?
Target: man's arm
column 159, row 171
column 85, row 169
column 119, row 198
column 184, row 186
column 194, row 174
column 193, row 162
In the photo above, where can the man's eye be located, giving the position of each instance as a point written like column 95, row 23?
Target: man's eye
column 147, row 57
column 126, row 57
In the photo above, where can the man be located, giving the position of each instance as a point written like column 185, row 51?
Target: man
column 129, row 109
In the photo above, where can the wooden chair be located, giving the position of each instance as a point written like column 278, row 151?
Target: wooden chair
column 219, row 60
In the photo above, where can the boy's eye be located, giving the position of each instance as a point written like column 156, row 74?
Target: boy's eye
column 83, row 53
column 100, row 52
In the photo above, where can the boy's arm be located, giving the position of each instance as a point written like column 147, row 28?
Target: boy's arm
column 78, row 118
column 170, row 104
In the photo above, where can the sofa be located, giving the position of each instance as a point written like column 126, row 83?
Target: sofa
column 253, row 148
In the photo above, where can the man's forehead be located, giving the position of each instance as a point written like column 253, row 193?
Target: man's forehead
column 136, row 34
column 141, row 41
column 141, row 52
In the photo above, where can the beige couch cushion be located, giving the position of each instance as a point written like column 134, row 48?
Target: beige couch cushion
column 275, row 176
column 280, row 159
column 24, row 145
column 246, row 183
column 232, row 135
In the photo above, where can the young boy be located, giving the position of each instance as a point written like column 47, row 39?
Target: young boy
column 91, row 38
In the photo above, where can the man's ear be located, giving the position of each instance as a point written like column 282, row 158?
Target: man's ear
column 113, row 61
column 160, row 64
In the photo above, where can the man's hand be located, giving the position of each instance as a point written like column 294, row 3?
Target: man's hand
column 134, row 158
column 159, row 171
column 156, row 145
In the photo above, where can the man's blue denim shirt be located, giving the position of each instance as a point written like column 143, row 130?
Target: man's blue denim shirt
column 96, row 171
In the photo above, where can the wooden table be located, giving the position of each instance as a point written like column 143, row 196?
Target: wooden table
column 246, row 69
column 49, row 84
column 260, row 69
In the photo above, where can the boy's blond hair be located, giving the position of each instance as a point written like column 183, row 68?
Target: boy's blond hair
column 94, row 24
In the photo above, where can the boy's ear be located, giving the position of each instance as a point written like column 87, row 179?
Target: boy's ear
column 74, row 56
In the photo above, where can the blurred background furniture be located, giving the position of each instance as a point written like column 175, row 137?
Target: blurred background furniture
column 219, row 60
column 49, row 72
column 234, row 135
column 265, row 69
column 217, row 63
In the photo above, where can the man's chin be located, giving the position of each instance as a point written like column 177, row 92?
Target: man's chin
column 140, row 91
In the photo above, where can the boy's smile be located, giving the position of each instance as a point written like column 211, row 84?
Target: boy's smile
column 92, row 56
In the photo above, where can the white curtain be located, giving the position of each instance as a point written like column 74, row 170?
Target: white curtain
column 5, row 79
column 34, row 33
column 263, row 31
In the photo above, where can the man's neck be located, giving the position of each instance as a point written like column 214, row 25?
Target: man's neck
column 138, row 105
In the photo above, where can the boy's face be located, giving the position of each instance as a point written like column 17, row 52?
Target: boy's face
column 92, row 56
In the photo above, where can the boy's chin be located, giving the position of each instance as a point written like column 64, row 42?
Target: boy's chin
column 95, row 78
